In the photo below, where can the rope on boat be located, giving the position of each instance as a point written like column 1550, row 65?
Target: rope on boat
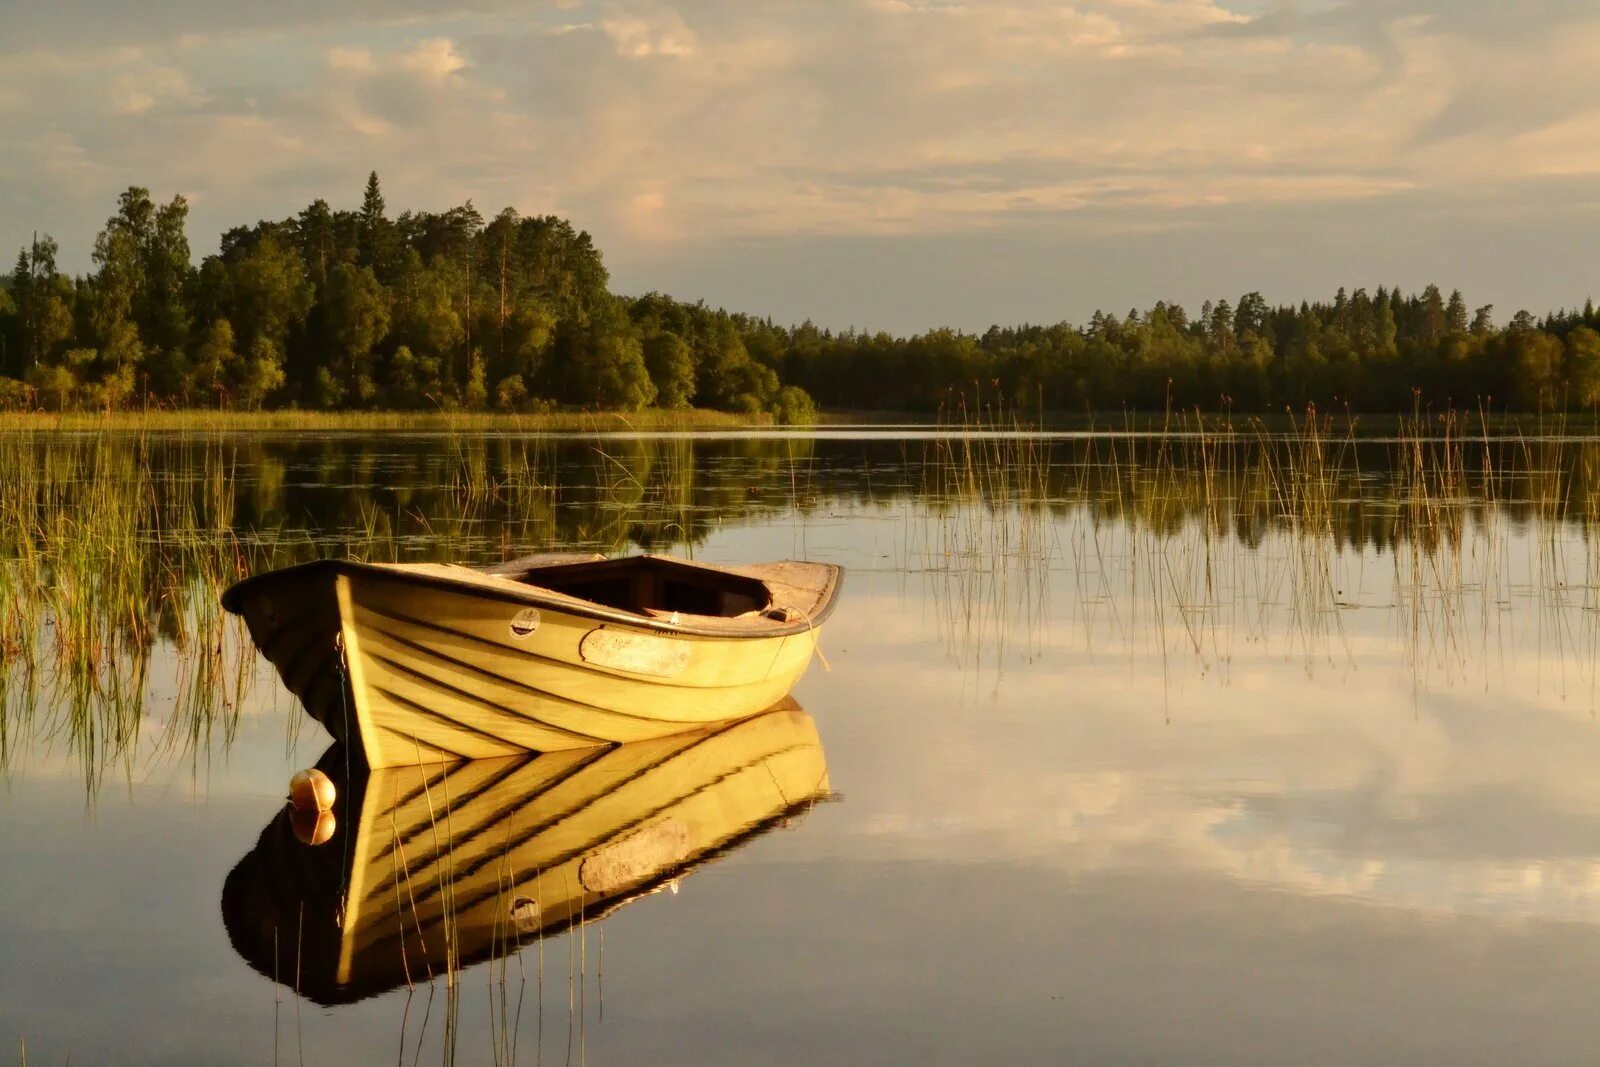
column 816, row 642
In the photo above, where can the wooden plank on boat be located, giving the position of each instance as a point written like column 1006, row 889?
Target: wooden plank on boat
column 635, row 652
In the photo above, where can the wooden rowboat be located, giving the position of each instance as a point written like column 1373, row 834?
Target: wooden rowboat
column 445, row 865
column 432, row 662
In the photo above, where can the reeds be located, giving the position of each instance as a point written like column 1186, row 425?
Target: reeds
column 115, row 545
column 985, row 483
column 1201, row 530
column 105, row 558
column 114, row 548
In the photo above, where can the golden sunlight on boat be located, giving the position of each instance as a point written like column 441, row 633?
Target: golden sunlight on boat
column 425, row 663
column 443, row 865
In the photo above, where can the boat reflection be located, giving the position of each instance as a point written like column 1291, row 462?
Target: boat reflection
column 431, row 868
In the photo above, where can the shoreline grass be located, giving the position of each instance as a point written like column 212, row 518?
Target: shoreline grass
column 1425, row 424
column 163, row 421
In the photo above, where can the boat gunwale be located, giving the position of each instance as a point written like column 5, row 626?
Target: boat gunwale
column 541, row 597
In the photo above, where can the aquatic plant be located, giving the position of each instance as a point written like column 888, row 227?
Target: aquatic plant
column 105, row 559
column 115, row 545
column 1214, row 531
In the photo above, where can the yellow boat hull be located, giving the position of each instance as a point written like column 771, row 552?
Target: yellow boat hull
column 423, row 672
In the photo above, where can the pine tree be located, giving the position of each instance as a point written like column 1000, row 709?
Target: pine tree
column 372, row 204
column 1385, row 330
column 1433, row 320
column 1455, row 313
column 376, row 232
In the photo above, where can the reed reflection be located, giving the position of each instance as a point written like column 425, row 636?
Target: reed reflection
column 428, row 870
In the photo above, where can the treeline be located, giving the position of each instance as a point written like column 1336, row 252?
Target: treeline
column 340, row 310
column 1369, row 352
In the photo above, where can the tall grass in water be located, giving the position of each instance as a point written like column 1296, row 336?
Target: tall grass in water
column 984, row 485
column 106, row 563
column 115, row 544
column 1208, row 532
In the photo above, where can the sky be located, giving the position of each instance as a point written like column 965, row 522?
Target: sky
column 881, row 164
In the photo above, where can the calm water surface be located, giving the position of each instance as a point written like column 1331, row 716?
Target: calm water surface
column 1123, row 776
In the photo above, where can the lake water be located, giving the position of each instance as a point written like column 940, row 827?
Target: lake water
column 1135, row 756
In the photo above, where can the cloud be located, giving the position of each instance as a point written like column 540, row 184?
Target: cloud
column 434, row 60
column 655, row 33
column 701, row 129
column 355, row 60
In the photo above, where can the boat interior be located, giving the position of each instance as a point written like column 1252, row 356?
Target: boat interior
column 649, row 585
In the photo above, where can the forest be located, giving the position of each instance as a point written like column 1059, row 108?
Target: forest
column 355, row 310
